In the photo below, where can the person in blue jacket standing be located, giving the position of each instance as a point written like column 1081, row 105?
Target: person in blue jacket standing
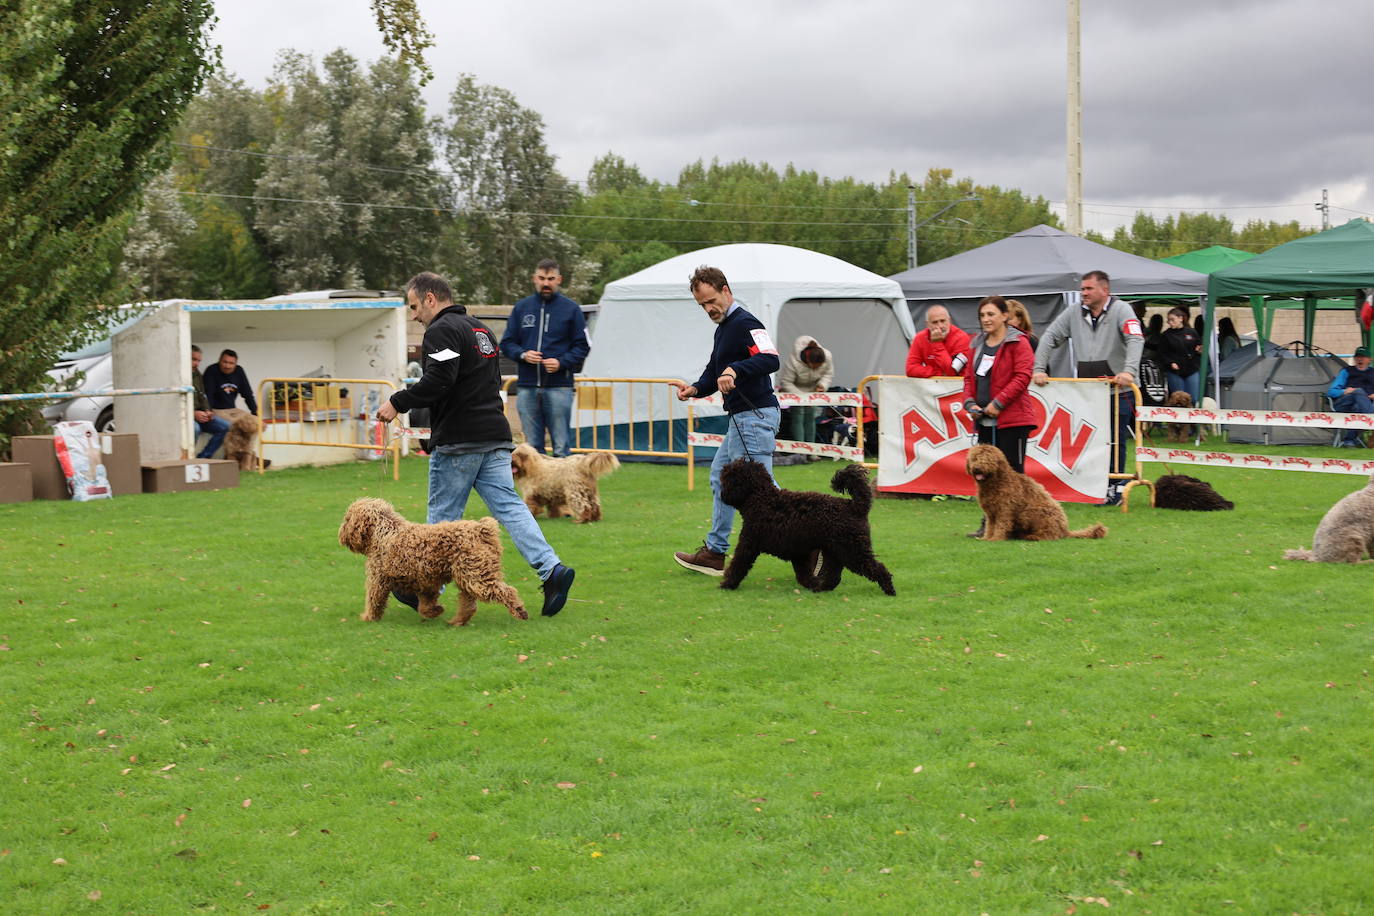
column 547, row 336
column 742, row 359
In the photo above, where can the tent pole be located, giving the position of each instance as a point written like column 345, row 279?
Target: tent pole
column 1309, row 320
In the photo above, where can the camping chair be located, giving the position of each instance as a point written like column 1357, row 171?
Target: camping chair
column 1330, row 404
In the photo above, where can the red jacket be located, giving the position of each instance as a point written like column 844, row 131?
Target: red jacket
column 930, row 359
column 1010, row 377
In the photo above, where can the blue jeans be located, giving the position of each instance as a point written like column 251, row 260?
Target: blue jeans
column 758, row 431
column 546, row 408
column 453, row 477
column 218, row 428
column 1188, row 383
column 1355, row 402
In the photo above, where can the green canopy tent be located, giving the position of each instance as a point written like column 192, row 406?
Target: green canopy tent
column 1209, row 260
column 1331, row 269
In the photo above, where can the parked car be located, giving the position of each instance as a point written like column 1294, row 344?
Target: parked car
column 98, row 369
column 97, row 365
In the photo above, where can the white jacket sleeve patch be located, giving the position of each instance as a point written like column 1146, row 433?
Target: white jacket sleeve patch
column 444, row 355
column 763, row 341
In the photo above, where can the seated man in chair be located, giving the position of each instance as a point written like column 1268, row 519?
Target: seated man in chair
column 1350, row 393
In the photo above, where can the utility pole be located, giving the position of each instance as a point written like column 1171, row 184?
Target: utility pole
column 1073, row 194
column 1325, row 207
column 910, row 226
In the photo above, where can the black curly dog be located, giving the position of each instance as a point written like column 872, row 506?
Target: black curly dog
column 793, row 525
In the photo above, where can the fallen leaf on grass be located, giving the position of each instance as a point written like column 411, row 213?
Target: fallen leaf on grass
column 247, row 802
column 1041, row 838
column 567, row 785
column 187, row 854
column 181, row 819
column 59, row 861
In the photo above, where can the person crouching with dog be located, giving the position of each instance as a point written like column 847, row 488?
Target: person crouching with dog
column 470, row 439
column 1000, row 362
column 742, row 359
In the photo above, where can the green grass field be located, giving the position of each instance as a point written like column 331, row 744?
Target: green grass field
column 1171, row 720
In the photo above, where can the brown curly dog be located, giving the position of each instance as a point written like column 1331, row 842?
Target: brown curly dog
column 564, row 486
column 1346, row 532
column 793, row 525
column 419, row 559
column 1016, row 507
column 1179, row 432
column 238, row 443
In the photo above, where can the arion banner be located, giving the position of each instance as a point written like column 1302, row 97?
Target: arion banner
column 924, row 435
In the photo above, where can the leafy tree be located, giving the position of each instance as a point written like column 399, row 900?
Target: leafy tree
column 89, row 93
column 509, row 193
column 348, row 197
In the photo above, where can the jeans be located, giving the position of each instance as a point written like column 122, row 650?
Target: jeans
column 546, row 408
column 801, row 424
column 218, row 428
column 453, row 477
column 1355, row 402
column 1188, row 383
column 1124, row 427
column 756, row 431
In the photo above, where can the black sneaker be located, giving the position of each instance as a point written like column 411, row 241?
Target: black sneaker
column 406, row 598
column 1113, row 497
column 556, row 588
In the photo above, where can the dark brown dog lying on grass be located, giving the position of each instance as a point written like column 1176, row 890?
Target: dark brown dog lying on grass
column 420, row 559
column 1016, row 507
column 793, row 525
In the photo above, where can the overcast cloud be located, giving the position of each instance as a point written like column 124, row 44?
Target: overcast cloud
column 1232, row 106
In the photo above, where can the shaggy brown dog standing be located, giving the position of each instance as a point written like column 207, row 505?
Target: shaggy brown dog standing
column 1346, row 532
column 1016, row 507
column 238, row 444
column 1179, row 432
column 564, row 486
column 793, row 526
column 420, row 559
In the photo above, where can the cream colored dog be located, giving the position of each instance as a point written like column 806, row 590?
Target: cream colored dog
column 563, row 486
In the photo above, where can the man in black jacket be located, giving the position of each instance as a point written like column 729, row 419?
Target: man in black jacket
column 470, row 440
column 742, row 359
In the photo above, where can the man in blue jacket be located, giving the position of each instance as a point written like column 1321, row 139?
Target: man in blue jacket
column 742, row 359
column 547, row 336
column 1350, row 392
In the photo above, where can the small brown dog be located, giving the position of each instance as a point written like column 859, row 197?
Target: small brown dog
column 420, row 559
column 238, row 443
column 1016, row 507
column 1179, row 432
column 563, row 486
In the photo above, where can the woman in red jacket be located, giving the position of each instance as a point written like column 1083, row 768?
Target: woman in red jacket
column 1000, row 363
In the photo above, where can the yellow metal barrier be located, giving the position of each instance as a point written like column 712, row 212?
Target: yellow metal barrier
column 318, row 413
column 615, row 402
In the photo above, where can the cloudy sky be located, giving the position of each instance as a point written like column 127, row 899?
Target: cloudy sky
column 1247, row 107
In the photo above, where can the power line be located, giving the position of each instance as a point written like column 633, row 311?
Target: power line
column 458, row 211
column 431, row 172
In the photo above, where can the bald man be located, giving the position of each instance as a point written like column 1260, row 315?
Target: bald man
column 940, row 350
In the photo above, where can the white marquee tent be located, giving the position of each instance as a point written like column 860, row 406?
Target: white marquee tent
column 650, row 326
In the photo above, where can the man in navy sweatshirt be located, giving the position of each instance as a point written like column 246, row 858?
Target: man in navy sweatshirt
column 547, row 336
column 742, row 359
column 225, row 381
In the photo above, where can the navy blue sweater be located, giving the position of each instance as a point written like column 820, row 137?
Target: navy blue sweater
column 556, row 329
column 742, row 343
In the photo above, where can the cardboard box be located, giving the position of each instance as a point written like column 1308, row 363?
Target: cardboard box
column 16, row 483
column 119, row 453
column 37, row 451
column 196, row 474
column 123, row 466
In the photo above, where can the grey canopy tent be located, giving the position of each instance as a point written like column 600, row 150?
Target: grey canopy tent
column 1041, row 266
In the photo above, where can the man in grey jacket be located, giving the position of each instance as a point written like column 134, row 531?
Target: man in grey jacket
column 1105, row 341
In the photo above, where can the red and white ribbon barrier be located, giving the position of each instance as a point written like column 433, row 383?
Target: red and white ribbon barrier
column 819, row 449
column 814, row 399
column 1312, row 419
column 1269, row 462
